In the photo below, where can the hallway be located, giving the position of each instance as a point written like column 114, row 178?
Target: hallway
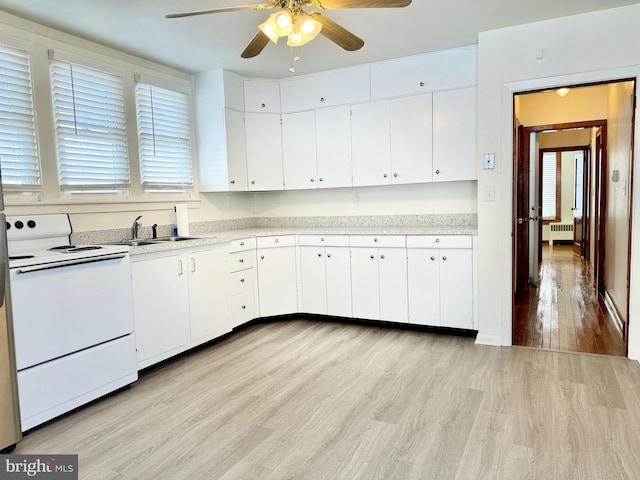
column 564, row 313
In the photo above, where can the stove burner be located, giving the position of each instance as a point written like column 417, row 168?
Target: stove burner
column 62, row 247
column 20, row 257
column 72, row 248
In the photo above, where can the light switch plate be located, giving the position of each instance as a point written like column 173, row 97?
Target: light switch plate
column 489, row 161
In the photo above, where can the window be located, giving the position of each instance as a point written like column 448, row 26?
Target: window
column 18, row 146
column 551, row 179
column 89, row 117
column 164, row 138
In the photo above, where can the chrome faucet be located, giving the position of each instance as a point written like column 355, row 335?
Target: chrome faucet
column 137, row 225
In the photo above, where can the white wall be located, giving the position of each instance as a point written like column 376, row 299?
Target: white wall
column 601, row 46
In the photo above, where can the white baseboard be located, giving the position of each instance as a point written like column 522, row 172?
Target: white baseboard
column 493, row 340
column 613, row 311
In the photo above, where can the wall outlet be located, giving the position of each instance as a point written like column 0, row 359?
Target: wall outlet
column 489, row 161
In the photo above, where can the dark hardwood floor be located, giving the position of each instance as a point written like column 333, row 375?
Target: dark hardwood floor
column 564, row 313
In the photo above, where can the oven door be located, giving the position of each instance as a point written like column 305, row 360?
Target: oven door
column 70, row 306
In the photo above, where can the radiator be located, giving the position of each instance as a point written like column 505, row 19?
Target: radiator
column 560, row 231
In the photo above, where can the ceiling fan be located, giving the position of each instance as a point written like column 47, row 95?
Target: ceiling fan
column 299, row 27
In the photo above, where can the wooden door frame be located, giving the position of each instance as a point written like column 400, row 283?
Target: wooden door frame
column 521, row 154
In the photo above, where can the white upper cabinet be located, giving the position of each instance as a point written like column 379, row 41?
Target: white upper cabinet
column 333, row 146
column 299, row 150
column 220, row 131
column 447, row 69
column 370, row 143
column 411, row 139
column 264, row 151
column 262, row 95
column 454, row 135
column 338, row 87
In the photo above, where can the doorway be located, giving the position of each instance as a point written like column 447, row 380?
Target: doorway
column 567, row 271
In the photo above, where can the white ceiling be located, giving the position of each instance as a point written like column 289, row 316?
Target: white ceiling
column 215, row 41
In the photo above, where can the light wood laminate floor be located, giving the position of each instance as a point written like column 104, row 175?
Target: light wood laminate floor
column 320, row 400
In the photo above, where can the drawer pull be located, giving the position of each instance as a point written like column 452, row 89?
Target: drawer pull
column 241, row 260
column 242, row 244
column 261, row 257
column 328, row 255
column 277, row 240
column 433, row 258
column 372, row 257
column 319, row 255
column 437, row 240
column 244, row 307
column 242, row 280
column 444, row 258
column 382, row 257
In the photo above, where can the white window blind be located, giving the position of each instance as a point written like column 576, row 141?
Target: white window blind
column 549, row 166
column 88, row 108
column 164, row 138
column 18, row 146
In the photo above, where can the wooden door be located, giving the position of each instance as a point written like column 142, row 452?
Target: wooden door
column 521, row 211
column 578, row 201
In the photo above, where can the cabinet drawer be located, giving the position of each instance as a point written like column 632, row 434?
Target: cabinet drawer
column 243, row 308
column 324, row 240
column 377, row 241
column 439, row 241
column 276, row 241
column 241, row 281
column 242, row 260
column 242, row 244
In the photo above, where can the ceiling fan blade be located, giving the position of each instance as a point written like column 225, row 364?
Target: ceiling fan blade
column 337, row 34
column 220, row 10
column 256, row 45
column 363, row 3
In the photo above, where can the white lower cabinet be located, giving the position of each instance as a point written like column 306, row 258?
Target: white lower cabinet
column 379, row 278
column 325, row 273
column 179, row 301
column 242, row 281
column 277, row 275
column 440, row 276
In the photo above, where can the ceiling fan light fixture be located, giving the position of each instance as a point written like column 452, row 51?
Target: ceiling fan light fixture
column 277, row 25
column 562, row 91
column 305, row 29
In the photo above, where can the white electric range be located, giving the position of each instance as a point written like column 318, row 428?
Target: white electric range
column 73, row 317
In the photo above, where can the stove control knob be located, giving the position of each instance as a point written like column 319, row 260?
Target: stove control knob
column 19, row 224
column 31, row 224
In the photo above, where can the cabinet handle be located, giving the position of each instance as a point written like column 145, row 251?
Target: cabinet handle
column 253, row 182
column 433, row 258
column 241, row 260
column 437, row 172
column 372, row 257
column 319, row 255
column 263, row 105
column 322, row 239
column 421, row 84
column 321, row 179
column 375, row 239
column 244, row 307
column 385, row 175
column 322, row 99
column 444, row 258
column 382, row 257
column 242, row 280
column 312, row 180
column 242, row 244
column 328, row 255
column 277, row 240
column 395, row 175
column 437, row 240
column 180, row 267
column 193, row 265
column 232, row 182
column 261, row 257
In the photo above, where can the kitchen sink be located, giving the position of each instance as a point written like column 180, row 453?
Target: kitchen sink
column 135, row 243
column 171, row 239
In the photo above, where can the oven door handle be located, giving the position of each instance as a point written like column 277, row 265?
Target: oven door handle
column 69, row 263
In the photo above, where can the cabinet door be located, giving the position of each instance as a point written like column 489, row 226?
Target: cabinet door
column 264, row 151
column 424, row 286
column 456, row 288
column 277, row 285
column 338, row 281
column 299, row 150
column 262, row 96
column 236, row 150
column 333, row 146
column 411, row 139
column 454, row 135
column 313, row 280
column 370, row 143
column 161, row 308
column 364, row 283
column 208, row 295
column 392, row 272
